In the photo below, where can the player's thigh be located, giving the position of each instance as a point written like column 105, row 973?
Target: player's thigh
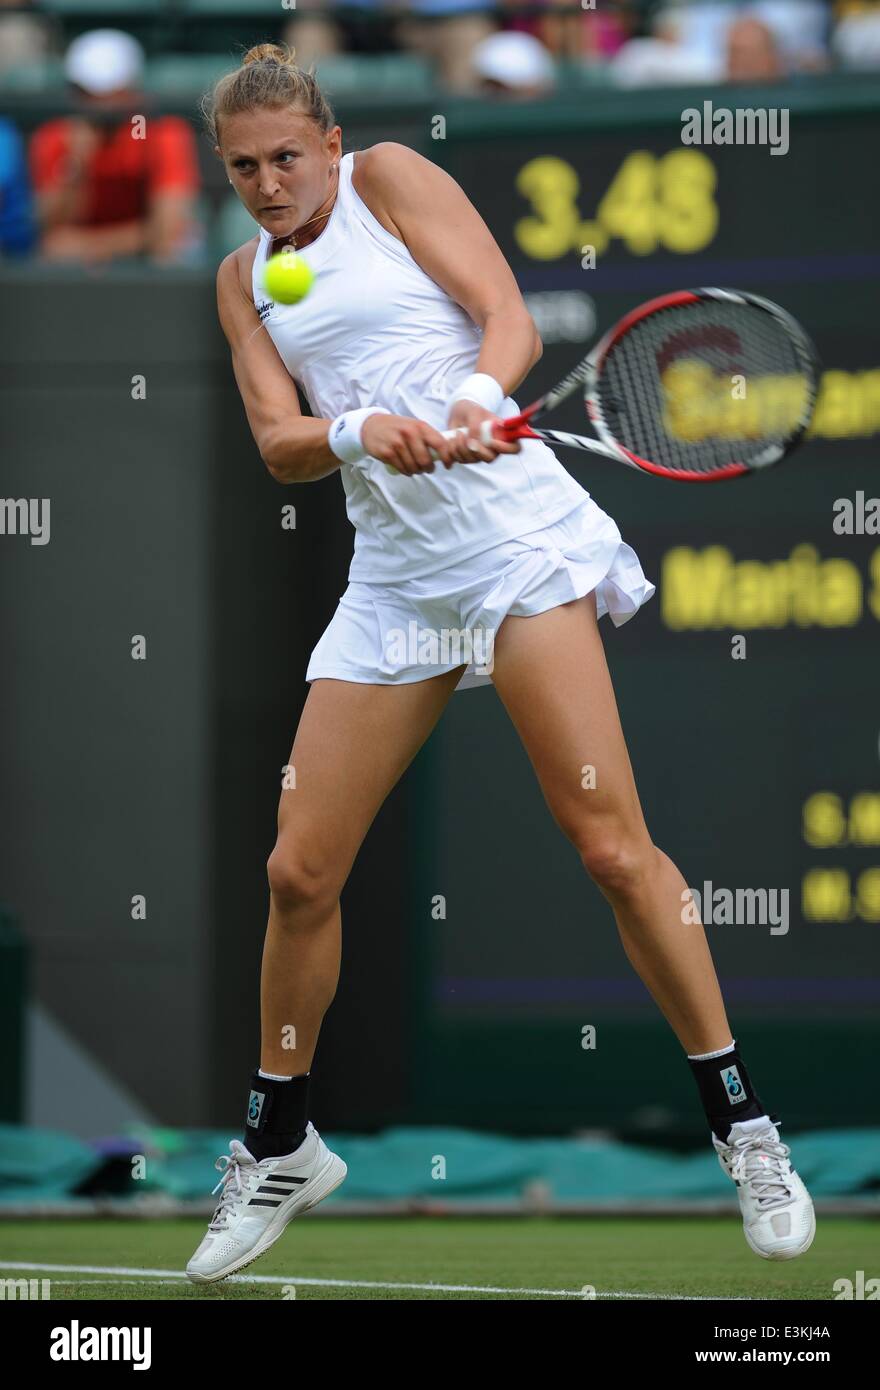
column 552, row 677
column 352, row 745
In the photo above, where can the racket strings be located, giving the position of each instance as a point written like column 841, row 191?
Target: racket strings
column 699, row 386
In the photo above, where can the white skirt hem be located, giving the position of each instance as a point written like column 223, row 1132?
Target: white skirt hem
column 378, row 633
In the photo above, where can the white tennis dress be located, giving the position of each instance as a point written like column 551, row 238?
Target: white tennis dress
column 440, row 559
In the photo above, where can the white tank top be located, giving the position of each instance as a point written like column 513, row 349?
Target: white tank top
column 375, row 329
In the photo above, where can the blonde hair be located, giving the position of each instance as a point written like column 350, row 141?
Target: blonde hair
column 268, row 76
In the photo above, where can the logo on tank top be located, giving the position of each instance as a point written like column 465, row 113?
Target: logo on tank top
column 264, row 309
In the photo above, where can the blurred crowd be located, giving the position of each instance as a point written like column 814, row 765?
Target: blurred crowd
column 84, row 187
column 516, row 46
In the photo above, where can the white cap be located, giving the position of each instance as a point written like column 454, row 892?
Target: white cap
column 654, row 63
column 856, row 40
column 516, row 60
column 104, row 60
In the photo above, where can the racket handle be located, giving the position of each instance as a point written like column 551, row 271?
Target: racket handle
column 485, row 435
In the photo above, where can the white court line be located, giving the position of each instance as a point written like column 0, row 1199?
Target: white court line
column 172, row 1276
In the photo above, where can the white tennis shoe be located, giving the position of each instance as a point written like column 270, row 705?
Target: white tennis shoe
column 258, row 1200
column 778, row 1217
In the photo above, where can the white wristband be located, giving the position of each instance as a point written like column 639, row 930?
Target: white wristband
column 483, row 389
column 344, row 437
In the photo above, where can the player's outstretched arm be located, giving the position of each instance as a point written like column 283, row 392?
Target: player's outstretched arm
column 293, row 447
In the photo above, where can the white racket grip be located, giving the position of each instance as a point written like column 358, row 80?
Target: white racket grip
column 485, row 435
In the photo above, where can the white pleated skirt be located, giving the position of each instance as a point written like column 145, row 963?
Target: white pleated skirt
column 393, row 634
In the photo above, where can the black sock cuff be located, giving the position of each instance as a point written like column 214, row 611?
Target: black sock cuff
column 277, row 1107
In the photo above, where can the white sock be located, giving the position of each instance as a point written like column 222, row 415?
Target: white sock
column 270, row 1076
column 705, row 1056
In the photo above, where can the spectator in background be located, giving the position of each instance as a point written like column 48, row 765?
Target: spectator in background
column 17, row 229
column 513, row 65
column 446, row 32
column 322, row 28
column 585, row 35
column 665, row 58
column 313, row 33
column 856, row 41
column 752, row 52
column 107, row 185
column 24, row 38
column 799, row 29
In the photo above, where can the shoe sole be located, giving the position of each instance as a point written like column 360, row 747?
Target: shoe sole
column 321, row 1185
column 785, row 1254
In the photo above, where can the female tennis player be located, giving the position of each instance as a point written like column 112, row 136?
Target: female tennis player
column 415, row 325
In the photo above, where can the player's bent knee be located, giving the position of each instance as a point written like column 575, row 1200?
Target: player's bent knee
column 296, row 882
column 617, row 861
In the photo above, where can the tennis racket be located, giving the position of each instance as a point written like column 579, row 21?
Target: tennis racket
column 699, row 385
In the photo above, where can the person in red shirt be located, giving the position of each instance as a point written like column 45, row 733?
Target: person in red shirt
column 117, row 181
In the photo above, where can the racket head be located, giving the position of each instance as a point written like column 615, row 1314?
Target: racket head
column 702, row 385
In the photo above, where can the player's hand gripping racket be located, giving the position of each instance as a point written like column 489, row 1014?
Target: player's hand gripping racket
column 698, row 385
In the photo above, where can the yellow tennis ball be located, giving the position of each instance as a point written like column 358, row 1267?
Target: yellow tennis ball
column 287, row 278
